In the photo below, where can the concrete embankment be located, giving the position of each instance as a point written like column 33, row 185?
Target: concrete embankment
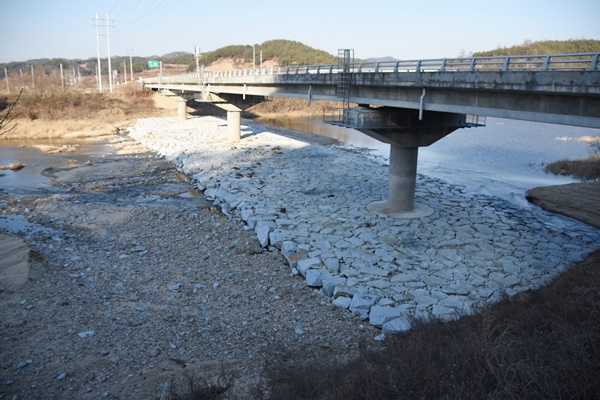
column 310, row 202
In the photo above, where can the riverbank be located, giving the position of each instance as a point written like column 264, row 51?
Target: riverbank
column 135, row 279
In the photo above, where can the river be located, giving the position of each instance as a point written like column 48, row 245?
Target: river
column 31, row 153
column 504, row 159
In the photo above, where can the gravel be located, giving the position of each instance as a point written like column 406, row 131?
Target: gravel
column 136, row 279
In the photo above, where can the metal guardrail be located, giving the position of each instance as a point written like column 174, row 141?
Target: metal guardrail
column 539, row 62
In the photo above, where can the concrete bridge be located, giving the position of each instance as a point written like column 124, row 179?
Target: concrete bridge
column 410, row 104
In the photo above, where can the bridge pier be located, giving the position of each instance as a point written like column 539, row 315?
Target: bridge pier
column 234, row 104
column 402, row 181
column 181, row 108
column 234, row 125
column 405, row 131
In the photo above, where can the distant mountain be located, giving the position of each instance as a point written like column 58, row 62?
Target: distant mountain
column 176, row 54
column 380, row 59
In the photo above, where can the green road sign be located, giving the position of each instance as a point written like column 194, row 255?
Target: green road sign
column 153, row 64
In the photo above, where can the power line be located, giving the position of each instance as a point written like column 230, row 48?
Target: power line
column 124, row 18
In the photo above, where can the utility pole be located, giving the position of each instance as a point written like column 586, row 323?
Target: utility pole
column 99, row 66
column 62, row 78
column 125, row 70
column 253, row 58
column 197, row 57
column 6, row 76
column 110, row 82
column 130, row 67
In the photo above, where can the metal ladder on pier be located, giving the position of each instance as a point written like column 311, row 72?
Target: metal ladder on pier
column 344, row 79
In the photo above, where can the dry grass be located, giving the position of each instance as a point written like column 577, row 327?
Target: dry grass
column 289, row 106
column 542, row 344
column 587, row 169
column 47, row 111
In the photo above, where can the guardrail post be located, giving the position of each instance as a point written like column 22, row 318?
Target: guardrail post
column 546, row 64
column 594, row 63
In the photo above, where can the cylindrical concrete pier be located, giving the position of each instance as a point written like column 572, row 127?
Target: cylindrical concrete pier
column 233, row 125
column 403, row 178
column 181, row 108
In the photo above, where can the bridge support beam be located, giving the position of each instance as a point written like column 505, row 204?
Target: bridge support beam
column 405, row 131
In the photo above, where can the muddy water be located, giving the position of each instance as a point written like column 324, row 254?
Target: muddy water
column 33, row 154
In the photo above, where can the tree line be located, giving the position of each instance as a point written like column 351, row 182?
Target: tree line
column 545, row 47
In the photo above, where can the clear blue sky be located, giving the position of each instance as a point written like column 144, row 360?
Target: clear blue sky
column 405, row 29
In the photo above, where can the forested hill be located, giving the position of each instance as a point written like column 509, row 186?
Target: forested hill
column 285, row 52
column 545, row 47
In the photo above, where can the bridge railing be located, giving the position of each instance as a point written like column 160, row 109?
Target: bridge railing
column 537, row 62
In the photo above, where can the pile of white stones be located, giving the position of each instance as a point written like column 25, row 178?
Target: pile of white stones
column 310, row 202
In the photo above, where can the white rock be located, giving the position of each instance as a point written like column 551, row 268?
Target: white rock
column 397, row 325
column 313, row 278
column 288, row 247
column 303, row 265
column 332, row 264
column 342, row 302
column 331, row 282
column 379, row 315
column 361, row 303
column 262, row 230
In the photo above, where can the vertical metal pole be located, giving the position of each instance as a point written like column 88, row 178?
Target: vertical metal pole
column 130, row 69
column 6, row 76
column 99, row 66
column 125, row 70
column 253, row 58
column 110, row 82
column 62, row 78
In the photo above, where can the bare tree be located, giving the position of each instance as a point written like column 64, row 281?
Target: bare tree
column 6, row 120
column 595, row 146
